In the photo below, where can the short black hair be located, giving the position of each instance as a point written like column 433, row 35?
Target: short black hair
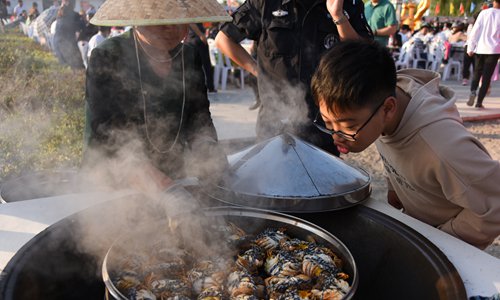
column 353, row 74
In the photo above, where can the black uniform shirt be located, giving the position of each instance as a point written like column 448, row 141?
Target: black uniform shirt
column 291, row 35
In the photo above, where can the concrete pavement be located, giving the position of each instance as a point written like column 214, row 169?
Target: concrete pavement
column 233, row 119
column 491, row 102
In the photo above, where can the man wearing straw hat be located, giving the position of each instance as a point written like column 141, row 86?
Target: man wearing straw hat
column 145, row 93
column 292, row 36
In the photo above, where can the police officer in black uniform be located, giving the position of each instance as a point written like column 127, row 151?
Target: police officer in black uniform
column 291, row 36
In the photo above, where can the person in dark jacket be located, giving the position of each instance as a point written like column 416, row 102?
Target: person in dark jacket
column 291, row 36
column 68, row 26
column 145, row 88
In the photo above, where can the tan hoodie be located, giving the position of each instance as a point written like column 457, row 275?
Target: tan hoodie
column 441, row 173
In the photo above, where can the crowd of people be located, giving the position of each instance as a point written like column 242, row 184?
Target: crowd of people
column 321, row 67
column 472, row 47
column 67, row 33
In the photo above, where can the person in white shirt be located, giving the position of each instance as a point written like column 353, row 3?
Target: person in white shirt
column 484, row 43
column 405, row 33
column 18, row 9
column 98, row 38
column 445, row 33
column 424, row 34
column 55, row 4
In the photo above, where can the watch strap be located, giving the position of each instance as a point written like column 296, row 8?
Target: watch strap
column 340, row 20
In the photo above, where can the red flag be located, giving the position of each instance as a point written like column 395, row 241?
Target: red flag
column 462, row 9
column 436, row 11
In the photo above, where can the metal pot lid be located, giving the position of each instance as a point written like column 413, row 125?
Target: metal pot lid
column 288, row 174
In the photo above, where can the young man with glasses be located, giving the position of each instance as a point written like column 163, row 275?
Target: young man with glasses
column 437, row 171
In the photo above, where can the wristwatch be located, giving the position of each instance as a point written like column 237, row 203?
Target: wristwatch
column 340, row 21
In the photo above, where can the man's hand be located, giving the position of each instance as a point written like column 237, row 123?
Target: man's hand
column 344, row 27
column 470, row 53
column 335, row 8
column 393, row 200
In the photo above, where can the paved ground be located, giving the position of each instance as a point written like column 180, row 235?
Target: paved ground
column 233, row 119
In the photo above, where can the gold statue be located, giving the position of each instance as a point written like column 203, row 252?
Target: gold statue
column 411, row 17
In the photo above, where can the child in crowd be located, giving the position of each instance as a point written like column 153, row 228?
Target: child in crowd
column 437, row 171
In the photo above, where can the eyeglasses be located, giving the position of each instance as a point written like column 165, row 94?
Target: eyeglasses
column 346, row 136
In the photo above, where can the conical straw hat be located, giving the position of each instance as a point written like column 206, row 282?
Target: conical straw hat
column 158, row 12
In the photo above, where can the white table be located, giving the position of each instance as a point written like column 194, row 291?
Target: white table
column 21, row 221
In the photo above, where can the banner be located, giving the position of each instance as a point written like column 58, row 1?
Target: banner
column 437, row 10
column 461, row 9
column 472, row 6
column 452, row 8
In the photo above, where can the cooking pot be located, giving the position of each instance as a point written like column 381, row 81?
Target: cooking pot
column 253, row 221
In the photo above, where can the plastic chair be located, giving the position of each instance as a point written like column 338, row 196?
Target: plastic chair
column 418, row 59
column 435, row 57
column 228, row 67
column 221, row 70
column 404, row 57
column 418, row 51
column 212, row 51
column 224, row 69
column 455, row 66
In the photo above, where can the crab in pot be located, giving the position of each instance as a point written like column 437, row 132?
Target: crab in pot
column 210, row 294
column 234, row 236
column 278, row 285
column 252, row 259
column 208, row 273
column 168, row 287
column 270, row 238
column 282, row 263
column 240, row 283
column 294, row 244
column 295, row 294
column 317, row 263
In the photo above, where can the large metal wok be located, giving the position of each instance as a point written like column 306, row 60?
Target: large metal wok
column 253, row 221
column 389, row 256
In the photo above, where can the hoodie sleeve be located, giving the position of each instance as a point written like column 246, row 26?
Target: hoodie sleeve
column 471, row 180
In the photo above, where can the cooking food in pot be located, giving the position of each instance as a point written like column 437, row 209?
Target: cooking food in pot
column 267, row 265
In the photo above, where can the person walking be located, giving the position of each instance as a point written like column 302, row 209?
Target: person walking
column 484, row 44
column 68, row 25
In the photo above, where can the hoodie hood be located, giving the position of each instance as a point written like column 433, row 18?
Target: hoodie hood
column 430, row 102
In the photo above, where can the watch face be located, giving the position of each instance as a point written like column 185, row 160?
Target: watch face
column 330, row 40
